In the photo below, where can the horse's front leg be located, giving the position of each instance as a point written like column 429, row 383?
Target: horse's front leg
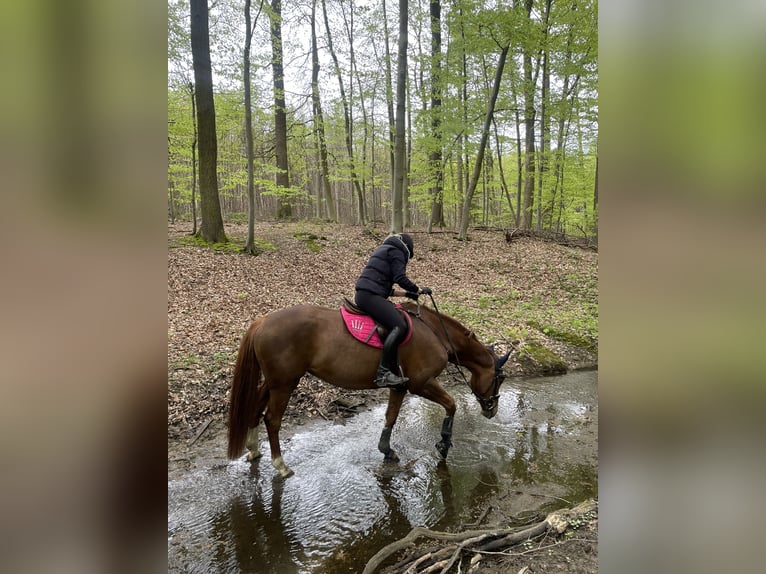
column 444, row 445
column 395, row 398
column 435, row 392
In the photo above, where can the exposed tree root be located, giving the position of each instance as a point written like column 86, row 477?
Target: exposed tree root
column 442, row 560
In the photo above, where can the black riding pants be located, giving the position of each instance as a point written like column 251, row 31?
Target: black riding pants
column 383, row 311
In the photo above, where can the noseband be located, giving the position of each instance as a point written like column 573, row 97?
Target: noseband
column 489, row 404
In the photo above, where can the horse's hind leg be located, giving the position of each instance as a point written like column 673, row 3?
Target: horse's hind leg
column 277, row 404
column 395, row 398
column 251, row 442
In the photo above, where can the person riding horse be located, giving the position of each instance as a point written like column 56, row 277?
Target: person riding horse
column 388, row 266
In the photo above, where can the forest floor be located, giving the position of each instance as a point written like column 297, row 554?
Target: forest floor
column 536, row 298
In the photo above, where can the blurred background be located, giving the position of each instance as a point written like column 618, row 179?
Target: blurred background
column 83, row 334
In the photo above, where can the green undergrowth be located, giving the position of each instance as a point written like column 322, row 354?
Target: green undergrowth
column 261, row 245
column 310, row 239
column 545, row 361
column 564, row 336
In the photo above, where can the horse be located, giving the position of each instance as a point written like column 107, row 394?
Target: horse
column 282, row 346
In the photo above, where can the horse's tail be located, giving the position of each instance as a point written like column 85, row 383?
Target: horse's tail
column 244, row 393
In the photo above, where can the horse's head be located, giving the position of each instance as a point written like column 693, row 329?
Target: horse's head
column 488, row 399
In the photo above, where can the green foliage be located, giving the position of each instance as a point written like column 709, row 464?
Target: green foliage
column 472, row 33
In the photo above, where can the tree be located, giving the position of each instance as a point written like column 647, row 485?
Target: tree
column 483, row 144
column 435, row 157
column 529, row 125
column 346, row 117
column 280, row 110
column 324, row 175
column 194, row 160
column 211, row 228
column 400, row 156
column 250, row 243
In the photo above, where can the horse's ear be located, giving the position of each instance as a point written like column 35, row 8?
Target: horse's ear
column 502, row 360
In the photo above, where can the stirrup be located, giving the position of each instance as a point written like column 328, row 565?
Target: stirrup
column 386, row 379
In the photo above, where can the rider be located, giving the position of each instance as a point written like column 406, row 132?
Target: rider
column 388, row 265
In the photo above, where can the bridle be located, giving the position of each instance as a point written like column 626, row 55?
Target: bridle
column 487, row 404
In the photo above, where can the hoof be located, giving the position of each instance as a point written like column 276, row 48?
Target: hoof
column 283, row 469
column 442, row 448
column 251, row 456
column 391, row 456
column 286, row 473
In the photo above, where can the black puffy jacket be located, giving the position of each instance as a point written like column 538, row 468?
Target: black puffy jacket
column 387, row 265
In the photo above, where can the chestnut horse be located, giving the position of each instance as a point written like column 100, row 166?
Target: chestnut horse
column 288, row 343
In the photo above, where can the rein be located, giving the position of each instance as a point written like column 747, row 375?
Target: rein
column 486, row 404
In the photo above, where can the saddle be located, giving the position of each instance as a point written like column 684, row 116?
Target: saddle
column 364, row 328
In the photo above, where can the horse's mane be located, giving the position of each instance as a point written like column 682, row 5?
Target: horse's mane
column 448, row 321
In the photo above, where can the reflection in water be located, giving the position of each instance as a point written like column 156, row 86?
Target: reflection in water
column 345, row 503
column 255, row 529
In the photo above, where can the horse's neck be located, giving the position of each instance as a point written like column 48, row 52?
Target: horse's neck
column 449, row 331
column 459, row 341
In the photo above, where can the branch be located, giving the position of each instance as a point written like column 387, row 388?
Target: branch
column 477, row 540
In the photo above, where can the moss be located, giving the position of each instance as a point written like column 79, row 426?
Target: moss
column 310, row 239
column 546, row 361
column 564, row 336
column 197, row 241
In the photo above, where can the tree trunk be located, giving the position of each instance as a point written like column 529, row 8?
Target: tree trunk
column 400, row 152
column 545, row 130
column 482, row 145
column 389, row 95
column 319, row 121
column 435, row 157
column 280, row 111
column 503, row 183
column 194, row 160
column 211, row 228
column 250, row 243
column 529, row 128
column 346, row 116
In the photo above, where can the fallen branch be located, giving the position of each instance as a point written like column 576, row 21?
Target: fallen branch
column 476, row 540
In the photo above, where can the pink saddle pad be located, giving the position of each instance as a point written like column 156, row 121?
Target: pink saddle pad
column 362, row 327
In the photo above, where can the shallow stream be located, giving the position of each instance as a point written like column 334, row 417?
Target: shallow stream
column 344, row 503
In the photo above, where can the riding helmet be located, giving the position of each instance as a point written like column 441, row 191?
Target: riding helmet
column 407, row 240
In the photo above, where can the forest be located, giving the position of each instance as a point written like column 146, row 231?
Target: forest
column 427, row 115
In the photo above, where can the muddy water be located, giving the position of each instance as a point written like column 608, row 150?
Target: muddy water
column 344, row 503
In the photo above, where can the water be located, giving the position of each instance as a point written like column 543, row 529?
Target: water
column 344, row 503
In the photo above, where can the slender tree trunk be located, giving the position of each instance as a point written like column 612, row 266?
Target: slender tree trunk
column 503, row 183
column 400, row 152
column 250, row 243
column 319, row 120
column 595, row 200
column 435, row 157
column 545, row 130
column 389, row 95
column 211, row 228
column 483, row 144
column 346, row 116
column 529, row 129
column 280, row 110
column 194, row 159
column 171, row 187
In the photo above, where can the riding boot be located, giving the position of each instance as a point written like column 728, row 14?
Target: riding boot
column 388, row 374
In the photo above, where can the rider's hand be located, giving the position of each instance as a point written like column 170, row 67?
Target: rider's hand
column 425, row 291
column 412, row 295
